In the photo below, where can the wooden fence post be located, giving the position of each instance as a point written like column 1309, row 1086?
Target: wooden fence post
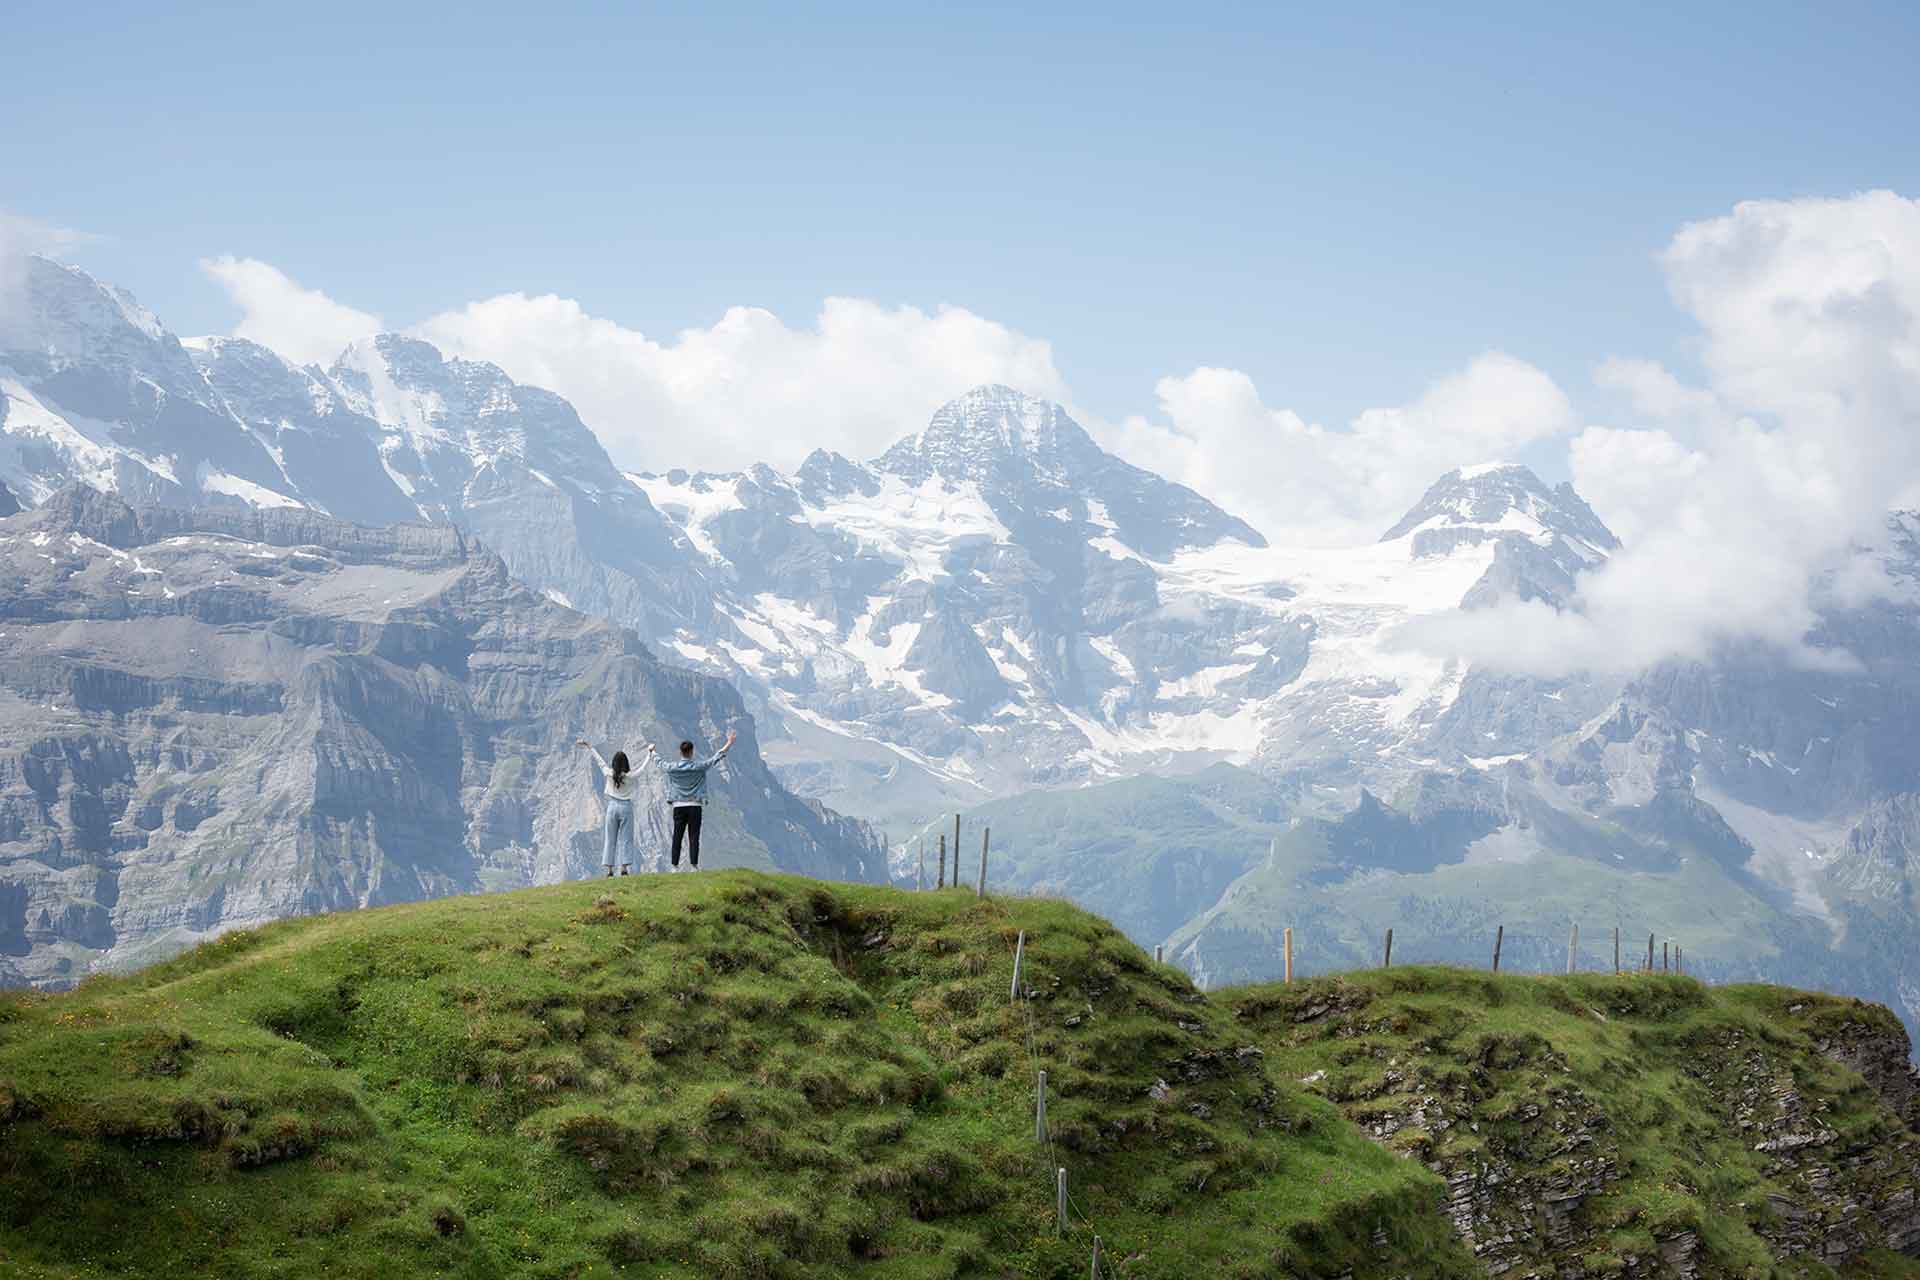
column 1019, row 954
column 1616, row 948
column 1040, row 1109
column 1573, row 948
column 941, row 882
column 956, row 851
column 1499, row 936
column 1096, row 1258
column 1286, row 947
column 1679, row 959
column 980, row 890
column 920, row 867
column 1159, row 953
column 1060, row 1198
column 1386, row 961
column 1649, row 953
column 1663, row 954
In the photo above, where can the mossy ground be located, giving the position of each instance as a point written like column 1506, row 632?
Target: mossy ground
column 1657, row 1067
column 725, row 1074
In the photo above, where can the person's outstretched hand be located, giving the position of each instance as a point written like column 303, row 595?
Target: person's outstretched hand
column 581, row 742
column 731, row 735
column 652, row 750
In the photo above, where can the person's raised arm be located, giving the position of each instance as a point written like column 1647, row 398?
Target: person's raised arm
column 604, row 766
column 721, row 754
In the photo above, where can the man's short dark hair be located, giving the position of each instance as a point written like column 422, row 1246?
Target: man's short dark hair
column 686, row 748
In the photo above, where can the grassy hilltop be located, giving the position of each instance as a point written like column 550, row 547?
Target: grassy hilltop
column 729, row 1074
column 736, row 1074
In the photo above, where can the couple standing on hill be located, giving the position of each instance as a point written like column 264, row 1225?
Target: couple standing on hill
column 686, row 793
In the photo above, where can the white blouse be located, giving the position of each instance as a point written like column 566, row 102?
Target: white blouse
column 625, row 789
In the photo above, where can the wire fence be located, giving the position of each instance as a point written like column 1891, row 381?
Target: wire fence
column 1071, row 1213
column 1074, row 1219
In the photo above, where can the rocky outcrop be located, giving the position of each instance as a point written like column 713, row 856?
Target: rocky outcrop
column 217, row 718
column 1549, row 1150
column 1845, row 1188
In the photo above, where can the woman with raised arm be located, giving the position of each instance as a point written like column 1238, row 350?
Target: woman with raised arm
column 687, row 793
column 620, row 795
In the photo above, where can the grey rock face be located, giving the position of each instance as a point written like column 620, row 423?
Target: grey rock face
column 92, row 388
column 217, row 718
column 1007, row 605
column 981, row 599
column 331, row 452
column 994, row 603
column 516, row 467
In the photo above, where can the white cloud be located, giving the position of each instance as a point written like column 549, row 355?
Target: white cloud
column 1735, row 496
column 1656, row 394
column 21, row 237
column 1300, row 482
column 1807, row 433
column 1635, row 479
column 304, row 325
column 750, row 388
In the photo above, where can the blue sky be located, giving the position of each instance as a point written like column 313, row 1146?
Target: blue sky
column 1345, row 202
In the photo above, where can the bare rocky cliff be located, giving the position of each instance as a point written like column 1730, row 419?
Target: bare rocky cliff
column 1637, row 1125
column 214, row 718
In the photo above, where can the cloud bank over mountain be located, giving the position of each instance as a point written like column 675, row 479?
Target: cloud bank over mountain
column 1734, row 492
column 19, row 237
column 304, row 325
column 750, row 387
column 1304, row 483
column 1744, row 493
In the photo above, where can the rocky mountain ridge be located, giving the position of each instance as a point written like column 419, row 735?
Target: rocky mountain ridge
column 994, row 603
column 215, row 718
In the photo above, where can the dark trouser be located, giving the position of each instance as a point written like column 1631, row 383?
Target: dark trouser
column 686, row 822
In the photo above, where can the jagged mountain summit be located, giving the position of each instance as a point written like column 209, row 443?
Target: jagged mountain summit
column 94, row 390
column 215, row 718
column 1542, row 538
column 1033, row 463
column 996, row 602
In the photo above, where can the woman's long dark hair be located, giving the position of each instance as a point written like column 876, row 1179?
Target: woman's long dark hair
column 620, row 767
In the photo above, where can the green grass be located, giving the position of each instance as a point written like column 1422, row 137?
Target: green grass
column 730, row 1074
column 1652, row 1075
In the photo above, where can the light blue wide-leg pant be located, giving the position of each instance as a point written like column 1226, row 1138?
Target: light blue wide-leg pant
column 619, row 828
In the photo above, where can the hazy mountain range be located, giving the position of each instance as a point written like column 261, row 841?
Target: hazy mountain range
column 1202, row 735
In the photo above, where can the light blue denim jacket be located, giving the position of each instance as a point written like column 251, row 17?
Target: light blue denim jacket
column 687, row 779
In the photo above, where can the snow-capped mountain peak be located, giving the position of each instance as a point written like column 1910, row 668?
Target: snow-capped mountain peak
column 92, row 388
column 1046, row 478
column 1542, row 538
column 1474, row 504
column 988, row 429
column 996, row 602
column 66, row 311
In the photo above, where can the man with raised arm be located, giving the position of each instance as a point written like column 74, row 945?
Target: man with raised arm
column 687, row 793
